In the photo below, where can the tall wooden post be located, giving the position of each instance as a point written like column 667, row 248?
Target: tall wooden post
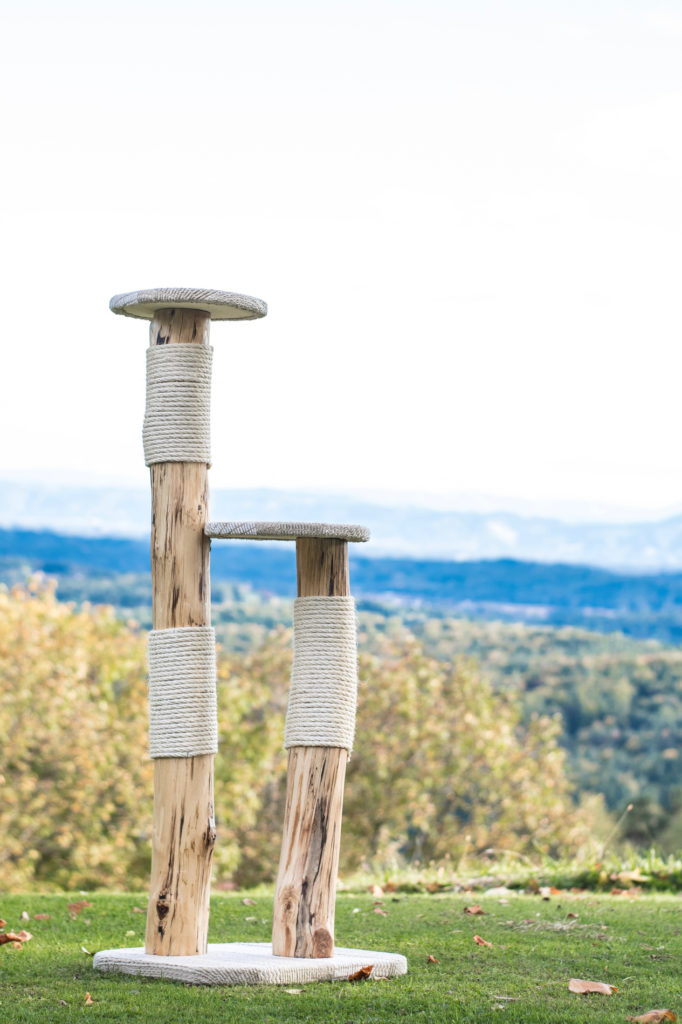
column 183, row 829
column 305, row 894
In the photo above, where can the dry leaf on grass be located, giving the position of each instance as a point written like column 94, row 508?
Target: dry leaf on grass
column 294, row 991
column 75, row 908
column 88, row 999
column 86, row 951
column 473, row 909
column 138, row 910
column 41, row 917
column 2, row 923
column 481, row 942
column 432, row 960
column 248, row 902
column 16, row 938
column 362, row 974
column 24, row 916
column 586, row 987
column 380, row 910
column 571, row 914
column 654, row 1016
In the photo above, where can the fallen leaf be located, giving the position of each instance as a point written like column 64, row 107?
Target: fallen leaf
column 473, row 909
column 293, row 991
column 41, row 917
column 75, row 908
column 585, row 987
column 86, row 951
column 24, row 916
column 17, row 945
column 88, row 999
column 2, row 923
column 14, row 937
column 481, row 942
column 571, row 914
column 250, row 918
column 380, row 910
column 653, row 1016
column 362, row 974
column 138, row 910
column 432, row 960
column 248, row 902
column 63, row 1002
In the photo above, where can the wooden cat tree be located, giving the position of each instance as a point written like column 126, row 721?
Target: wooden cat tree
column 182, row 693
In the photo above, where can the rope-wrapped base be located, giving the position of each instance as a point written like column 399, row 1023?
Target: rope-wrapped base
column 248, row 963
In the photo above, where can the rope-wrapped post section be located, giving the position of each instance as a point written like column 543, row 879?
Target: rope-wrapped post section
column 183, row 726
column 319, row 736
column 319, row 730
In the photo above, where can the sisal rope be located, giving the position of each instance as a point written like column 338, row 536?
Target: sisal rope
column 177, row 420
column 323, row 694
column 182, row 692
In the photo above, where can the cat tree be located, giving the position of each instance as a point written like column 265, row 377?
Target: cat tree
column 182, row 686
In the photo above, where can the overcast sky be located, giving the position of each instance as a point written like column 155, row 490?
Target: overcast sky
column 466, row 219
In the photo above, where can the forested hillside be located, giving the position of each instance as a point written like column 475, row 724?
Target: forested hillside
column 619, row 698
column 116, row 570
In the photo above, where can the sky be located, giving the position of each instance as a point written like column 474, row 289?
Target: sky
column 465, row 218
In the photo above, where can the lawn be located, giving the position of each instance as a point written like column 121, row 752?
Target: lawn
column 537, row 946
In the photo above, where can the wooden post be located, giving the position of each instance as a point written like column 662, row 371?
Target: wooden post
column 183, row 831
column 305, row 894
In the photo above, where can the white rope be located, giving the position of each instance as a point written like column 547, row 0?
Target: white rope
column 323, row 694
column 177, row 420
column 182, row 692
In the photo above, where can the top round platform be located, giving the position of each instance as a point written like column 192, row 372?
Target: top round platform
column 286, row 531
column 221, row 305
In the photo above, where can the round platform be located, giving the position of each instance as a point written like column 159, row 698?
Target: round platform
column 286, row 531
column 221, row 305
column 248, row 963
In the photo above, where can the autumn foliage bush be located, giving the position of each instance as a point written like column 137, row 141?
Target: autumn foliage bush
column 441, row 766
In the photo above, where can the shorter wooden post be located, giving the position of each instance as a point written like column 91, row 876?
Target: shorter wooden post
column 305, row 894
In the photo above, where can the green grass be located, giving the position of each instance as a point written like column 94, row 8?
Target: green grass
column 632, row 943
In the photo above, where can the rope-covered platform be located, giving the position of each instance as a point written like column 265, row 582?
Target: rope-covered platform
column 286, row 531
column 221, row 305
column 249, row 963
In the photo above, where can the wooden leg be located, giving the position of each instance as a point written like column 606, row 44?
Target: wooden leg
column 183, row 831
column 305, row 894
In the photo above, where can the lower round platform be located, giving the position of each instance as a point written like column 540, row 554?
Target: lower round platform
column 248, row 963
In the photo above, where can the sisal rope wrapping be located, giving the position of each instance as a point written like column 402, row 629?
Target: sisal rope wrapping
column 177, row 419
column 183, row 719
column 324, row 676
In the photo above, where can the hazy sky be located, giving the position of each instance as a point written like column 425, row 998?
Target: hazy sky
column 466, row 218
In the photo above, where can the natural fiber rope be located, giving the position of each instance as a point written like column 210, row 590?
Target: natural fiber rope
column 182, row 692
column 177, row 421
column 323, row 692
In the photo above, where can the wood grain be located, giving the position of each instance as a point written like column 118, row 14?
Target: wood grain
column 305, row 894
column 183, row 830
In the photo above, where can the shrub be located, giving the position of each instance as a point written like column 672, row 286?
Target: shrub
column 441, row 767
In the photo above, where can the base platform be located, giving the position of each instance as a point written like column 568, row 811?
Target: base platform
column 248, row 963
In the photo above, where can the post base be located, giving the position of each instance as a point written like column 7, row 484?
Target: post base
column 248, row 963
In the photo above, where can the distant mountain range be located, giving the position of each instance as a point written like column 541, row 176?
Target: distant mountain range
column 398, row 530
column 116, row 571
